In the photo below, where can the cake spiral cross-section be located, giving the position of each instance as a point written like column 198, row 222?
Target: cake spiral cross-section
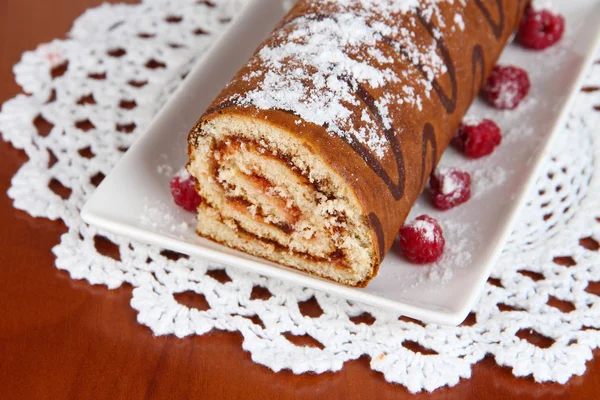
column 314, row 153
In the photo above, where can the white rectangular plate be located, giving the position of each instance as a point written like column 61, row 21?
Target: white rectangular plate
column 134, row 200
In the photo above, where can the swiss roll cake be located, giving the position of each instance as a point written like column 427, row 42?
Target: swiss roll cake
column 314, row 153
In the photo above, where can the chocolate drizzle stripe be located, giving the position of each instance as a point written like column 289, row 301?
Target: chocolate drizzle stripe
column 378, row 229
column 428, row 136
column 448, row 103
column 396, row 188
column 497, row 28
column 477, row 60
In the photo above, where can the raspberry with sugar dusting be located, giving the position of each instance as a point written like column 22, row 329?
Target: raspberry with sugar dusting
column 450, row 187
column 477, row 138
column 506, row 87
column 540, row 29
column 422, row 240
column 183, row 190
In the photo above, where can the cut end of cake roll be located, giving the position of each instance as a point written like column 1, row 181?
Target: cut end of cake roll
column 267, row 193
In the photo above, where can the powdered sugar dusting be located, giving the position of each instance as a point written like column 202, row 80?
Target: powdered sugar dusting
column 318, row 62
column 486, row 178
column 543, row 5
column 450, row 183
column 165, row 170
column 159, row 216
column 182, row 174
column 458, row 20
column 457, row 253
column 425, row 228
column 516, row 133
column 471, row 120
column 508, row 94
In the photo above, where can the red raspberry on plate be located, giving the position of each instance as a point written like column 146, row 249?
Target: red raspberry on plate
column 477, row 138
column 540, row 29
column 422, row 240
column 450, row 187
column 183, row 190
column 506, row 86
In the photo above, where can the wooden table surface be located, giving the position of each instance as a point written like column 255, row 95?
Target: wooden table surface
column 61, row 338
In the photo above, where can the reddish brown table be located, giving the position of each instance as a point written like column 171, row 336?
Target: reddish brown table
column 61, row 338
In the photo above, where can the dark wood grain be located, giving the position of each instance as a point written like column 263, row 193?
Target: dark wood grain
column 61, row 338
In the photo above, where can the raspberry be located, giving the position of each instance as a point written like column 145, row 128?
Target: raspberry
column 183, row 190
column 506, row 87
column 540, row 29
column 450, row 187
column 477, row 138
column 422, row 240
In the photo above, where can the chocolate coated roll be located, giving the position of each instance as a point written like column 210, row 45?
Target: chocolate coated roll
column 314, row 153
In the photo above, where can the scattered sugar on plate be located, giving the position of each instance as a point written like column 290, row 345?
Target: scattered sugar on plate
column 516, row 133
column 472, row 120
column 165, row 170
column 164, row 166
column 160, row 216
column 543, row 5
column 182, row 174
column 457, row 253
column 484, row 179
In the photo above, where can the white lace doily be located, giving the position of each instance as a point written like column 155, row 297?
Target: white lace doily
column 91, row 95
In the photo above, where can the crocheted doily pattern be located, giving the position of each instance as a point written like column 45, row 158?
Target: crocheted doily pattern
column 90, row 96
